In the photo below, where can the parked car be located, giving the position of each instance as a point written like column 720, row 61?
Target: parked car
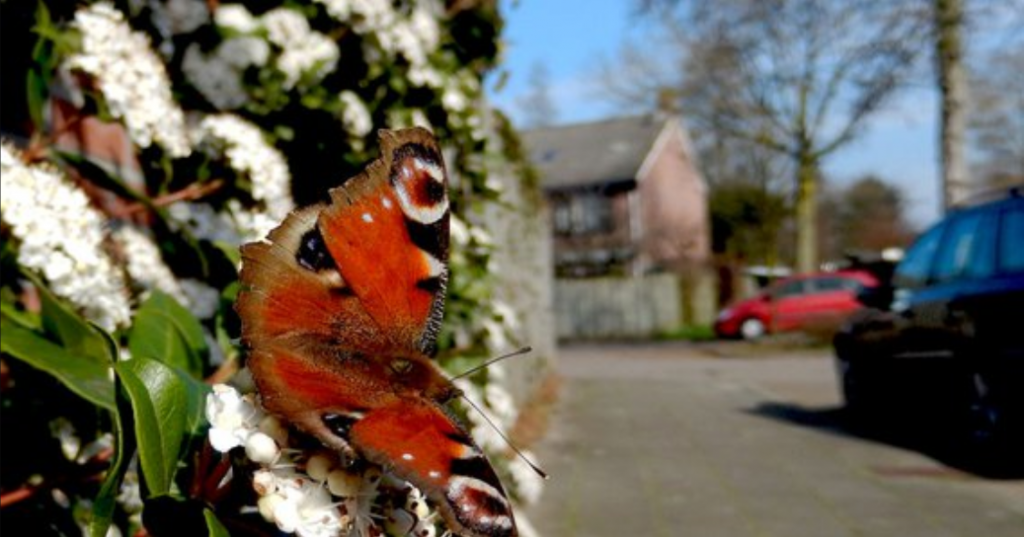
column 946, row 336
column 817, row 301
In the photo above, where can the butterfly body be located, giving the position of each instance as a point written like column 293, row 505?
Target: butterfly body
column 340, row 310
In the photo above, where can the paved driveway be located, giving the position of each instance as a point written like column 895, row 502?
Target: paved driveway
column 669, row 440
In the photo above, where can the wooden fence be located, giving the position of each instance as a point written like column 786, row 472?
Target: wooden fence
column 602, row 308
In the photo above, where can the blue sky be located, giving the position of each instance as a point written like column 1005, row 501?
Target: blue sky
column 570, row 37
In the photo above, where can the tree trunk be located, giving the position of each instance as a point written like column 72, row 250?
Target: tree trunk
column 952, row 79
column 807, row 214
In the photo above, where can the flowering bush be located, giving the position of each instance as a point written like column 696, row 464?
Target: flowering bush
column 120, row 268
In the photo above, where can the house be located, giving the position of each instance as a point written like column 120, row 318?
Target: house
column 625, row 194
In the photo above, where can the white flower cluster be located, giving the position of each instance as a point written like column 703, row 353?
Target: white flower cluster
column 180, row 16
column 248, row 153
column 305, row 53
column 218, row 75
column 203, row 222
column 143, row 262
column 312, row 494
column 499, row 405
column 414, row 37
column 131, row 78
column 61, row 236
column 354, row 115
column 147, row 270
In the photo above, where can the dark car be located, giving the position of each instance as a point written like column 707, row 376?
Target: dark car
column 818, row 301
column 946, row 337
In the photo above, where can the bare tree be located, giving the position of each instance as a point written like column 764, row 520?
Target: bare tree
column 537, row 105
column 797, row 77
column 997, row 119
column 951, row 75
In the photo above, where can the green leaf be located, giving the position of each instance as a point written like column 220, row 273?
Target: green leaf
column 165, row 331
column 166, row 408
column 39, row 76
column 71, row 330
column 88, row 378
column 26, row 319
column 214, row 526
column 124, row 445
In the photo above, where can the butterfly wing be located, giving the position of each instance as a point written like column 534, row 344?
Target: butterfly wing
column 421, row 443
column 340, row 310
column 395, row 214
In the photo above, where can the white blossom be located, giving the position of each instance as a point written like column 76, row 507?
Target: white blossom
column 365, row 16
column 311, row 493
column 61, row 237
column 218, row 75
column 304, row 507
column 233, row 418
column 425, row 76
column 144, row 264
column 244, row 51
column 63, row 430
column 184, row 15
column 235, row 17
column 203, row 221
column 507, row 314
column 354, row 115
column 131, row 78
column 248, row 152
column 306, row 53
column 418, row 36
column 130, row 494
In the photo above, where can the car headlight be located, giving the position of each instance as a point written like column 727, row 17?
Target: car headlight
column 725, row 314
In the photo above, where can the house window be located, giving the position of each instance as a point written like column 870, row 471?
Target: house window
column 583, row 213
column 592, row 214
column 563, row 216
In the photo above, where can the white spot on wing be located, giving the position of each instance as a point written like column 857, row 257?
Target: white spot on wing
column 436, row 267
column 407, row 457
column 386, row 202
column 367, row 217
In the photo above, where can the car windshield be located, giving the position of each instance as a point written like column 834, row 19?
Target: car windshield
column 914, row 270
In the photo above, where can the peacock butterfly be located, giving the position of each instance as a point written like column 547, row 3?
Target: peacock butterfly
column 340, row 311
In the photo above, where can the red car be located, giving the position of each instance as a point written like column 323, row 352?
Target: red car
column 804, row 301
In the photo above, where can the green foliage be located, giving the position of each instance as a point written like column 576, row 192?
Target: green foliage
column 746, row 220
column 166, row 408
column 143, row 380
column 164, row 330
column 82, row 375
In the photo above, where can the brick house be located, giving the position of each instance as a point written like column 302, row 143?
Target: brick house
column 625, row 195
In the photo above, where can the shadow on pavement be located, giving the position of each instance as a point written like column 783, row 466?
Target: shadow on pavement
column 928, row 437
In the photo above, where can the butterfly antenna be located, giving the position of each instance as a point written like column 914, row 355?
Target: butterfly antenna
column 535, row 468
column 488, row 363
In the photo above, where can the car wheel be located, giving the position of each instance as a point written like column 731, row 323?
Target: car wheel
column 752, row 328
column 852, row 383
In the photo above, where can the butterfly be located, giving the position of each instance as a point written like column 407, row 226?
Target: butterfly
column 340, row 309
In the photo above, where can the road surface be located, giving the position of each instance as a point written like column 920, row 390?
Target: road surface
column 685, row 440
